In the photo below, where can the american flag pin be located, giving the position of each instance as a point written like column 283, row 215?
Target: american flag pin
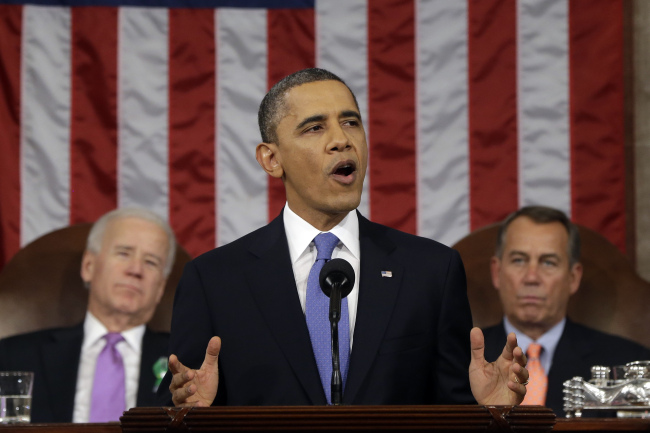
column 386, row 274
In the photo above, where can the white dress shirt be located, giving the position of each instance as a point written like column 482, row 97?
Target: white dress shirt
column 93, row 343
column 300, row 236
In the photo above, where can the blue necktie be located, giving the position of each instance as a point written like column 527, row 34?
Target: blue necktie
column 317, row 315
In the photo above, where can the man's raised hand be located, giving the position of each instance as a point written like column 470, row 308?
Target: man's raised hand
column 196, row 387
column 500, row 382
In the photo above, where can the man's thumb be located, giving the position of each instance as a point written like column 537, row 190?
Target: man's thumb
column 212, row 353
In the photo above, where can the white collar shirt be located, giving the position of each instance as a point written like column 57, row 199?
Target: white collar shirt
column 93, row 343
column 300, row 237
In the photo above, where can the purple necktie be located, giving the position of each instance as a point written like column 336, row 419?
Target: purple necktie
column 108, row 398
column 317, row 314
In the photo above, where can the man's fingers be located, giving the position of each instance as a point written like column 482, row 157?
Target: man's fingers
column 180, row 395
column 212, row 354
column 175, row 366
column 520, row 374
column 520, row 356
column 511, row 344
column 477, row 342
column 180, row 380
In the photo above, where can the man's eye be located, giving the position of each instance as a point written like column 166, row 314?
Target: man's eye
column 353, row 122
column 152, row 263
column 314, row 128
column 549, row 263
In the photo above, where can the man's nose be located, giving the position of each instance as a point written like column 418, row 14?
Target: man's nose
column 532, row 274
column 135, row 267
column 339, row 141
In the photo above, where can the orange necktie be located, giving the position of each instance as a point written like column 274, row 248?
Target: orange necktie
column 537, row 381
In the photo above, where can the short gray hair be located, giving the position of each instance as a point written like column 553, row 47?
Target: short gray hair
column 96, row 235
column 273, row 105
column 543, row 215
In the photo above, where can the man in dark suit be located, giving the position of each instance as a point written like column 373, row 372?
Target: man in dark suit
column 128, row 257
column 536, row 268
column 409, row 320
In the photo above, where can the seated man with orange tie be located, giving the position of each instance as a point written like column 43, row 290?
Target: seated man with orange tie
column 94, row 371
column 536, row 268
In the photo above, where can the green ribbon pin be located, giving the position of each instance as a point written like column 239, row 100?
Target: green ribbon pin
column 159, row 370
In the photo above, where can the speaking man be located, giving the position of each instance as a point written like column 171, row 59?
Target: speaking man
column 96, row 370
column 536, row 268
column 405, row 328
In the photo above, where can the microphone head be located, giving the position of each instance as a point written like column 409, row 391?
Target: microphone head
column 337, row 271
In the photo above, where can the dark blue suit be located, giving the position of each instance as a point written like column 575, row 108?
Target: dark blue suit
column 53, row 356
column 577, row 351
column 411, row 338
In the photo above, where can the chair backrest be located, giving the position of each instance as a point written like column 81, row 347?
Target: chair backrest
column 612, row 297
column 41, row 287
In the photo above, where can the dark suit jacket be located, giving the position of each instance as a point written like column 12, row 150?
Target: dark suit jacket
column 53, row 356
column 577, row 351
column 411, row 338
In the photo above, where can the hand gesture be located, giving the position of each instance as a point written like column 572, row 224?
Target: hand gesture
column 196, row 387
column 501, row 382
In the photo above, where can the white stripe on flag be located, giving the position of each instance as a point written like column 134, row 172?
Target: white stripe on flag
column 543, row 94
column 45, row 121
column 242, row 185
column 345, row 53
column 143, row 173
column 442, row 120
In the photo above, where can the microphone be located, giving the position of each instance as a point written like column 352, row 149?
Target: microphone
column 336, row 281
column 336, row 276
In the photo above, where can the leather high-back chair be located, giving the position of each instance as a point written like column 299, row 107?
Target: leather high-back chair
column 41, row 286
column 612, row 297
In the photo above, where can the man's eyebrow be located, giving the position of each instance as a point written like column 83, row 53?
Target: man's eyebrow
column 350, row 113
column 310, row 119
column 321, row 117
column 154, row 256
column 550, row 256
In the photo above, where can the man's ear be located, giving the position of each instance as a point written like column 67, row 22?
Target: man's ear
column 495, row 268
column 87, row 266
column 575, row 276
column 267, row 157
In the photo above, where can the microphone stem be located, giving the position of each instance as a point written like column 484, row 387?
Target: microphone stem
column 335, row 316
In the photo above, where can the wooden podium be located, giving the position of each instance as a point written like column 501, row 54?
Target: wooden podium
column 339, row 418
column 344, row 419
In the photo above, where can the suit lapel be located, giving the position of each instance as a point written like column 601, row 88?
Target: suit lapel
column 377, row 297
column 61, row 364
column 153, row 348
column 273, row 286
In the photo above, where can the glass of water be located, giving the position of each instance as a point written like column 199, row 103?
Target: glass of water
column 15, row 396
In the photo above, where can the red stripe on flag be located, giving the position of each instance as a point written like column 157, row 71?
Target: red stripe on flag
column 192, row 90
column 597, row 115
column 10, row 61
column 291, row 41
column 391, row 81
column 93, row 128
column 492, row 41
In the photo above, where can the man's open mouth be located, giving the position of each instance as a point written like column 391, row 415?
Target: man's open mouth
column 344, row 168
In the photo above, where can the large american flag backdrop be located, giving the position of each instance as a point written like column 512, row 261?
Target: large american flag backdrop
column 472, row 109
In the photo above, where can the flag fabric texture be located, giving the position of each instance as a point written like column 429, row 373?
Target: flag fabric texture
column 472, row 109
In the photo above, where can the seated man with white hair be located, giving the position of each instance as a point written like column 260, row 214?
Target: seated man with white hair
column 94, row 371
